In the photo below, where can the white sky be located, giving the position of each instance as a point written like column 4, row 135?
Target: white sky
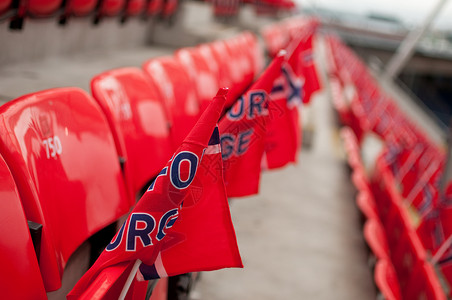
column 409, row 11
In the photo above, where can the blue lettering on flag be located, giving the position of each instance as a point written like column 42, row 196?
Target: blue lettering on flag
column 257, row 102
column 244, row 141
column 227, row 145
column 295, row 91
column 143, row 234
column 116, row 241
column 237, row 110
column 163, row 172
column 277, row 88
column 235, row 145
column 167, row 221
column 175, row 175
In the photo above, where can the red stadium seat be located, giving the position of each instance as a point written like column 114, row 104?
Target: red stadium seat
column 4, row 6
column 406, row 255
column 77, row 8
column 206, row 52
column 366, row 204
column 353, row 151
column 169, row 8
column 80, row 8
column 179, row 95
column 19, row 274
column 34, row 8
column 257, row 54
column 227, row 75
column 42, row 8
column 386, row 280
column 339, row 102
column 202, row 75
column 135, row 7
column 61, row 153
column 154, row 7
column 135, row 111
column 376, row 239
column 382, row 182
column 424, row 284
column 239, row 52
column 110, row 8
column 230, row 73
column 359, row 179
column 241, row 59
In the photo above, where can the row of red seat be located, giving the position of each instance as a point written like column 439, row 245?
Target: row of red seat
column 277, row 36
column 402, row 190
column 75, row 163
column 231, row 8
column 16, row 12
column 402, row 270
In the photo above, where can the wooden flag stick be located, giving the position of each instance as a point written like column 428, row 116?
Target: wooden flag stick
column 129, row 280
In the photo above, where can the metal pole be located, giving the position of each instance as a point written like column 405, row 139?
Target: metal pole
column 407, row 47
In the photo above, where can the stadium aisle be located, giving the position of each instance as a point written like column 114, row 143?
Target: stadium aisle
column 300, row 238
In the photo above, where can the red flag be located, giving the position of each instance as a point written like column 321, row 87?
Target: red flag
column 302, row 62
column 283, row 129
column 243, row 131
column 204, row 234
column 143, row 235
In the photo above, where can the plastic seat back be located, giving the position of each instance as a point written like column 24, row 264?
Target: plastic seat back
column 383, row 187
column 366, row 204
column 19, row 274
column 424, row 284
column 61, row 153
column 201, row 74
column 241, row 51
column 241, row 59
column 135, row 7
column 405, row 257
column 79, row 8
column 179, row 95
column 169, row 8
column 376, row 239
column 4, row 6
column 137, row 117
column 386, row 280
column 42, row 8
column 110, row 8
column 154, row 7
column 255, row 50
column 230, row 74
column 34, row 8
